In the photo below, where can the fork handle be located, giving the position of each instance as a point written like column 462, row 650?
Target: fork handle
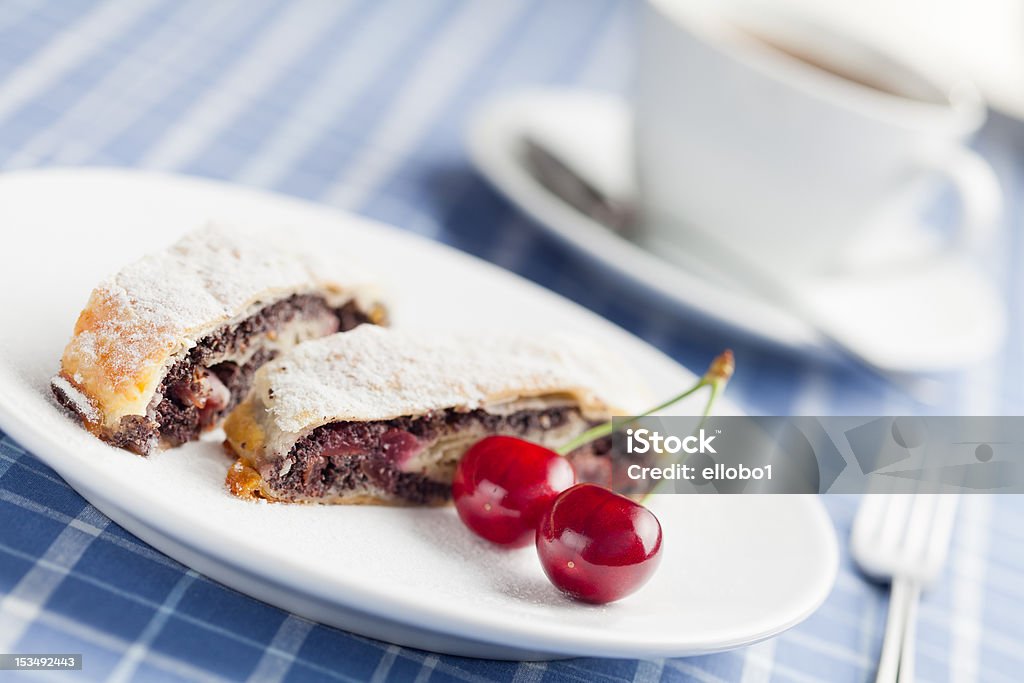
column 907, row 652
column 895, row 627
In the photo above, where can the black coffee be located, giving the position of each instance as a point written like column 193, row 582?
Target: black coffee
column 857, row 64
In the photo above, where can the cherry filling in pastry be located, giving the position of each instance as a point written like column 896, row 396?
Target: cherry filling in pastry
column 409, row 459
column 380, row 415
column 215, row 374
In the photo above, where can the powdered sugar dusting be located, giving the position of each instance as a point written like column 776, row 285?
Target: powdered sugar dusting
column 375, row 374
column 215, row 272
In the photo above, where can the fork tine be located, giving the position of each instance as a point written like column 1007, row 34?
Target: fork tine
column 916, row 541
column 871, row 526
column 894, row 527
column 870, row 519
column 942, row 531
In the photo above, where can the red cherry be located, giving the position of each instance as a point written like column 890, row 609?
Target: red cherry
column 503, row 484
column 596, row 545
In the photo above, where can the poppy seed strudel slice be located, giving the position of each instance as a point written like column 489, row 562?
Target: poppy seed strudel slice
column 383, row 416
column 165, row 348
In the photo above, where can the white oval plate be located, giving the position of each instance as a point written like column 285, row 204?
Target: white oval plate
column 735, row 570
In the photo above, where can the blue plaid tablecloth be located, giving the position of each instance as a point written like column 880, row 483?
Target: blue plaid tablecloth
column 361, row 104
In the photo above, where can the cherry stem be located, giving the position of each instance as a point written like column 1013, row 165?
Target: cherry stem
column 716, row 377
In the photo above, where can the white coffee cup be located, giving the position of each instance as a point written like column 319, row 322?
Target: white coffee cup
column 790, row 141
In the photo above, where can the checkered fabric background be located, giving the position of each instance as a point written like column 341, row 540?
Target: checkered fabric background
column 361, row 104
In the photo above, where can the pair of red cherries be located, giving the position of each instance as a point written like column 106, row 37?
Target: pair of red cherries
column 594, row 544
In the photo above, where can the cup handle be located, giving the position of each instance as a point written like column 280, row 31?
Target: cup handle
column 981, row 198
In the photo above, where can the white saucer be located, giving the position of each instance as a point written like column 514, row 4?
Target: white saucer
column 942, row 315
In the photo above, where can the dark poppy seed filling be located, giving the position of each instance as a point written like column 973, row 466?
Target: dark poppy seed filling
column 376, row 456
column 216, row 375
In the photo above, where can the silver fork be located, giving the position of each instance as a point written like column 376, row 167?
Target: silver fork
column 902, row 538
